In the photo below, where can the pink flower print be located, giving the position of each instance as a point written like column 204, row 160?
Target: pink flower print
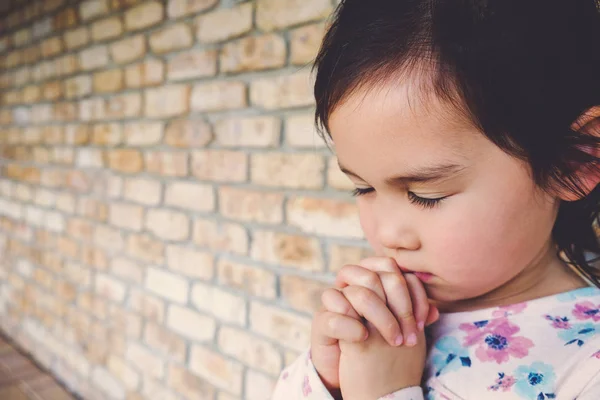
column 503, row 382
column 586, row 310
column 306, row 389
column 284, row 375
column 475, row 332
column 596, row 354
column 559, row 322
column 505, row 311
column 496, row 340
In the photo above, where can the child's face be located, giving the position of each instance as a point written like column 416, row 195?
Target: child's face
column 494, row 223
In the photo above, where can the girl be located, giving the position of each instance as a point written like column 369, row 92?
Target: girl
column 471, row 131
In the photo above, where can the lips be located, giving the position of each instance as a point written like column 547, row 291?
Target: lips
column 423, row 276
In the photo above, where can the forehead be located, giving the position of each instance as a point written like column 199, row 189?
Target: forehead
column 397, row 124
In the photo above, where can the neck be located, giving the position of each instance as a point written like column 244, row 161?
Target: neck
column 547, row 275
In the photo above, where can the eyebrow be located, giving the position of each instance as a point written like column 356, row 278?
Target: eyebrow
column 426, row 174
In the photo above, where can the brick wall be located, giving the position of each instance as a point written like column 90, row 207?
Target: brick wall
column 168, row 216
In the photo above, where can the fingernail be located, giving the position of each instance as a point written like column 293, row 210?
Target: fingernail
column 421, row 326
column 411, row 340
column 399, row 340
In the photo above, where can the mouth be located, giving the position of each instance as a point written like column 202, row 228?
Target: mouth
column 423, row 276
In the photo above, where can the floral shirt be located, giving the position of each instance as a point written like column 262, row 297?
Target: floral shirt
column 547, row 348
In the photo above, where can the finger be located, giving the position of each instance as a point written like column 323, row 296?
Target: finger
column 330, row 327
column 400, row 304
column 434, row 315
column 369, row 305
column 380, row 264
column 360, row 276
column 420, row 302
column 333, row 300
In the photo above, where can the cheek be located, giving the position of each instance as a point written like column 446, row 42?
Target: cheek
column 367, row 223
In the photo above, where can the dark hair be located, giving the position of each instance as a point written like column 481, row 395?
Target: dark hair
column 522, row 71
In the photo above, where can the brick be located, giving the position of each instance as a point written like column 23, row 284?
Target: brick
column 282, row 92
column 166, row 342
column 108, row 238
column 128, row 49
column 31, row 94
column 262, row 132
column 190, row 196
column 284, row 327
column 167, row 163
column 51, row 47
column 110, row 288
column 190, row 262
column 300, row 132
column 123, row 372
column 76, row 38
column 107, row 29
column 217, row 96
column 302, row 294
column 189, row 385
column 305, row 43
column 147, row 306
column 297, row 171
column 78, row 86
column 64, row 19
column 143, row 191
column 167, row 285
column 277, row 14
column 253, row 53
column 51, row 5
column 93, row 57
column 192, row 64
column 341, row 255
column 249, row 279
column 191, row 324
column 188, row 133
column 107, row 134
column 258, row 385
column 66, row 65
column 145, row 361
column 121, row 4
column 325, row 217
column 224, row 24
column 92, row 209
column 91, row 109
column 108, row 81
column 93, row 8
column 89, row 158
column 168, row 225
column 250, row 205
column 228, row 307
column 143, row 16
column 221, row 236
column 22, row 37
column 107, row 383
column 124, row 106
column 216, row 369
column 77, row 134
column 167, row 101
column 53, row 90
column 336, row 178
column 171, row 38
column 180, row 8
column 147, row 73
column 256, row 353
column 128, row 161
column 294, row 251
column 126, row 270
column 220, row 165
column 143, row 133
column 126, row 216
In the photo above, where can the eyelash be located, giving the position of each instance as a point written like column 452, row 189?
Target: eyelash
column 420, row 201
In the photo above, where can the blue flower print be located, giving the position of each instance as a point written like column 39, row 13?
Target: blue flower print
column 449, row 355
column 577, row 333
column 535, row 382
column 574, row 294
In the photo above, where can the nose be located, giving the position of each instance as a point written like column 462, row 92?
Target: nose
column 395, row 229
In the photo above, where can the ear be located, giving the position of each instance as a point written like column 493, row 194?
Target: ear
column 588, row 123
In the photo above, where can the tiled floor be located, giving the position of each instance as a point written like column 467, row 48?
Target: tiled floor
column 21, row 379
